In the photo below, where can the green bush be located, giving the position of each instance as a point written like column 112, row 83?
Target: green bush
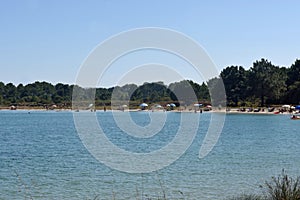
column 283, row 187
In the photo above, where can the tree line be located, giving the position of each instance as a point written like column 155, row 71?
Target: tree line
column 263, row 84
column 45, row 94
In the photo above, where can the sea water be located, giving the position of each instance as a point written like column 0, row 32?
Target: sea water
column 42, row 157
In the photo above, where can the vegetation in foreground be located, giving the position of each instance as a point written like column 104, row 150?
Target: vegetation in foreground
column 282, row 187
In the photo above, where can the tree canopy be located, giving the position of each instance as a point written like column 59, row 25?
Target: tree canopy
column 262, row 85
column 45, row 94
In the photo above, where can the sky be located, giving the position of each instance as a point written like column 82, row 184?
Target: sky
column 49, row 40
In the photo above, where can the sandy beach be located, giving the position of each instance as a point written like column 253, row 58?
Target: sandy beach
column 214, row 110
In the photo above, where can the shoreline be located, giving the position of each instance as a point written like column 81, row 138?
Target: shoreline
column 232, row 111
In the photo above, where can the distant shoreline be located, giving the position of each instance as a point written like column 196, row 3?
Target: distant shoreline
column 231, row 111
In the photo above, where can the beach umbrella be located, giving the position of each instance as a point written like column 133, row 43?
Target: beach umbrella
column 208, row 106
column 172, row 105
column 143, row 105
column 124, row 106
column 168, row 105
column 197, row 104
column 297, row 107
column 158, row 106
column 91, row 105
column 286, row 106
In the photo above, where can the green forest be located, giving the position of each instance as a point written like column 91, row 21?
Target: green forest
column 263, row 84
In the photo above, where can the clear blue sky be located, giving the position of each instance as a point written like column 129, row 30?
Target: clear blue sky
column 48, row 40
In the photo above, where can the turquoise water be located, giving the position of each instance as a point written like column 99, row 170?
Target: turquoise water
column 42, row 157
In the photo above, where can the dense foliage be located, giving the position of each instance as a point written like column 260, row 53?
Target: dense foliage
column 45, row 94
column 262, row 85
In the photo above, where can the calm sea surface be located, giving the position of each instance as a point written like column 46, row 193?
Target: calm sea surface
column 42, row 157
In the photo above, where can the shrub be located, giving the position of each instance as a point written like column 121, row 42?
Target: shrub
column 283, row 187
